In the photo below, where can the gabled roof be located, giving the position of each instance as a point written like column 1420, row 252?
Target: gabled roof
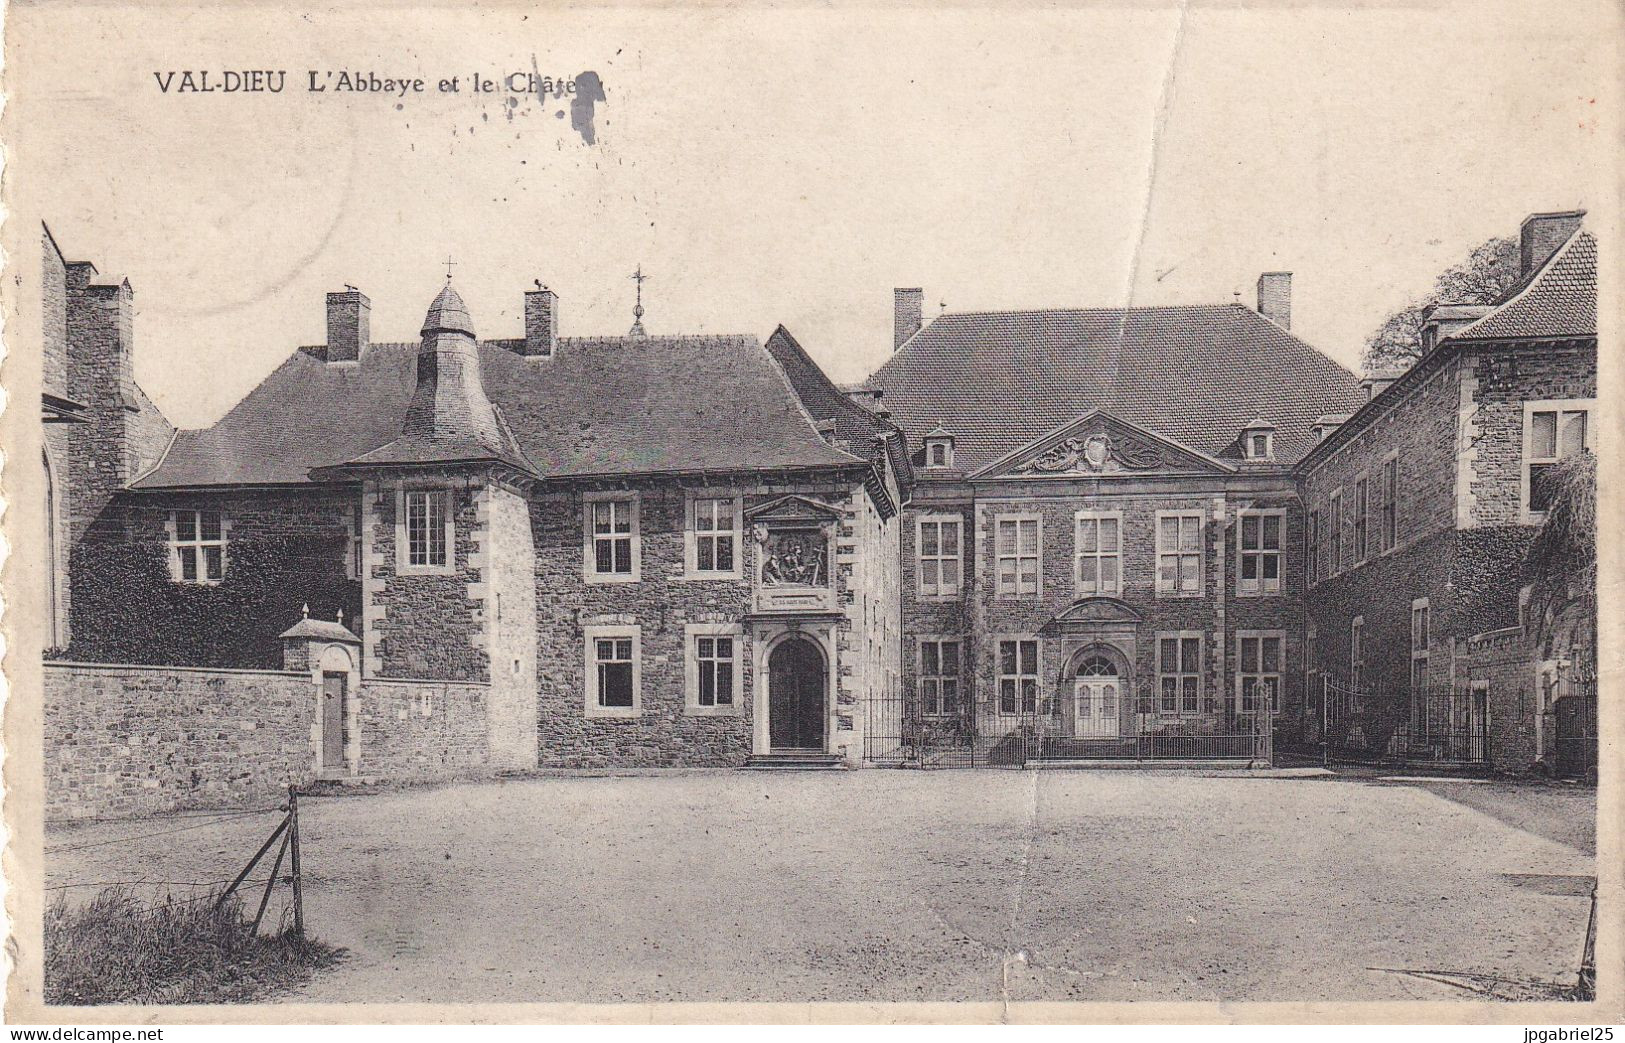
column 1128, row 449
column 604, row 406
column 1559, row 300
column 1000, row 380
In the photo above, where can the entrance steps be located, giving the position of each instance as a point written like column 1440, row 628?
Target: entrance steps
column 796, row 759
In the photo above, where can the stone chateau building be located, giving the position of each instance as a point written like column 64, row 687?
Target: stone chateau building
column 1062, row 533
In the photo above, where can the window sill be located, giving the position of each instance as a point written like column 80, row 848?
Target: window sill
column 1258, row 593
column 711, row 711
column 594, row 578
column 956, row 596
column 197, row 582
column 694, row 576
column 425, row 570
column 1180, row 595
column 614, row 712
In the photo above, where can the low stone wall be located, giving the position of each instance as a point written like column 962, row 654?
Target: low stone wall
column 1500, row 661
column 134, row 740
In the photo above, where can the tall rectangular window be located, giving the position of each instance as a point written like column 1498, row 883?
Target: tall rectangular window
column 1552, row 431
column 1357, row 652
column 611, row 538
column 1099, row 553
column 1261, row 537
column 715, row 659
column 1420, row 634
column 1258, row 670
column 197, row 547
column 939, row 677
column 614, row 660
column 714, row 531
column 1018, row 676
column 1362, row 508
column 426, row 545
column 613, row 671
column 1334, row 531
column 1179, row 553
column 353, row 545
column 1390, row 503
column 1016, row 551
column 1179, row 673
column 938, row 566
column 1312, row 566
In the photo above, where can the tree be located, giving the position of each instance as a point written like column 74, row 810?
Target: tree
column 1560, row 565
column 1488, row 274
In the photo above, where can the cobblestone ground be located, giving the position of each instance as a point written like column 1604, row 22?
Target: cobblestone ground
column 889, row 885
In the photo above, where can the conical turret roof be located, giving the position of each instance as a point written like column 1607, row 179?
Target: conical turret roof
column 448, row 314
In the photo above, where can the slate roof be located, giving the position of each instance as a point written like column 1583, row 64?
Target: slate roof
column 1560, row 300
column 1196, row 374
column 604, row 406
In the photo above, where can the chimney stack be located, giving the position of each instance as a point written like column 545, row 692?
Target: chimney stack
column 1542, row 234
column 907, row 305
column 1275, row 298
column 541, row 322
column 349, row 325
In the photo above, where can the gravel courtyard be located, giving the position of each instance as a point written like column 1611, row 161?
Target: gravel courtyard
column 894, row 885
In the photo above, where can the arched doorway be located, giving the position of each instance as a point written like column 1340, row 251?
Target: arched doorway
column 1097, row 694
column 795, row 696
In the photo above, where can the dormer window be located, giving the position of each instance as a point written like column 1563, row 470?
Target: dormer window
column 1258, row 440
column 939, row 450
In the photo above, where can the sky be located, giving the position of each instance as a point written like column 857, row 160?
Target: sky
column 789, row 167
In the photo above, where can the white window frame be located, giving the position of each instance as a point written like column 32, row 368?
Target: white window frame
column 195, row 546
column 1166, row 590
column 939, row 591
column 1012, row 592
column 1269, row 445
column 1388, row 520
column 1242, row 673
column 1115, row 589
column 1588, row 406
column 1037, row 676
column 589, row 560
column 692, row 668
column 591, row 635
column 923, row 680
column 693, row 535
column 947, row 447
column 1357, row 653
column 1260, row 585
column 403, row 550
column 1185, row 670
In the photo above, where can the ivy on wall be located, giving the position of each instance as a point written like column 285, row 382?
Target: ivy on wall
column 127, row 609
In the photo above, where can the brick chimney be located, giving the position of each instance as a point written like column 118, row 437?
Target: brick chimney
column 1275, row 298
column 907, row 305
column 541, row 323
column 1542, row 234
column 349, row 325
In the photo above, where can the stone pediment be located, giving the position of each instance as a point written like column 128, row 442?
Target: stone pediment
column 1101, row 445
column 1097, row 611
column 792, row 510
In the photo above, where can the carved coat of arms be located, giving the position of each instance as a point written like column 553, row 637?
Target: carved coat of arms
column 1094, row 454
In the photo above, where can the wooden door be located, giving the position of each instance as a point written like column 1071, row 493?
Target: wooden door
column 335, row 696
column 1095, row 708
column 796, row 696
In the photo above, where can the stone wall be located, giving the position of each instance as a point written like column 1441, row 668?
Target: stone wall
column 1499, row 660
column 423, row 729
column 284, row 549
column 425, row 625
column 136, row 740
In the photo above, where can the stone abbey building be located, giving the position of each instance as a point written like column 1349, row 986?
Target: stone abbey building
column 1066, row 533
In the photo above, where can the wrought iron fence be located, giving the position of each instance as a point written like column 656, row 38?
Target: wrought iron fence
column 1431, row 724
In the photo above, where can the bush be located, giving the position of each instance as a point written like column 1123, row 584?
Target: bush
column 117, row 949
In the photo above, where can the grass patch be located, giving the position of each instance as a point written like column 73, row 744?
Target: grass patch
column 118, row 949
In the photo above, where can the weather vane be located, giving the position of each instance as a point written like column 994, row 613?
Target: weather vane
column 637, row 309
column 449, row 263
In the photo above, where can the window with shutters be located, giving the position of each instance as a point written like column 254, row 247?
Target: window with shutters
column 1017, row 553
column 1099, row 565
column 1262, row 534
column 938, row 561
column 1179, row 553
